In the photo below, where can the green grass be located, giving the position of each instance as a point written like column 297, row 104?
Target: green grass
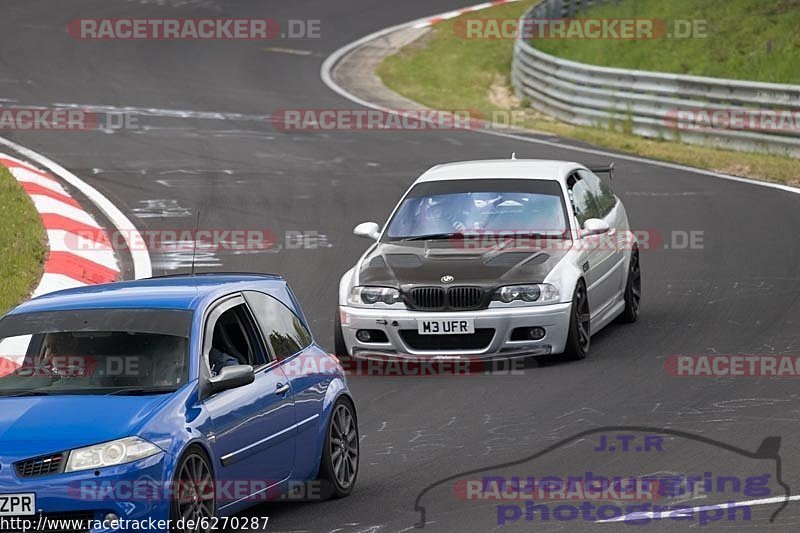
column 745, row 39
column 22, row 243
column 444, row 71
column 448, row 72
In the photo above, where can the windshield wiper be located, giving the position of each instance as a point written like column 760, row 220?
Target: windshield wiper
column 531, row 235
column 25, row 393
column 432, row 236
column 139, row 391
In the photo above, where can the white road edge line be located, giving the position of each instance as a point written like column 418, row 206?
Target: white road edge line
column 142, row 268
column 327, row 78
column 684, row 511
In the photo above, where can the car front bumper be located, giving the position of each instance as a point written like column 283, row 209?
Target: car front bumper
column 400, row 326
column 134, row 492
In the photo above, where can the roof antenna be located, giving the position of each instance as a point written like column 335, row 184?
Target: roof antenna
column 194, row 240
column 513, row 156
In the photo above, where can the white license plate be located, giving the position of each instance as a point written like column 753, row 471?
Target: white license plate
column 446, row 326
column 17, row 504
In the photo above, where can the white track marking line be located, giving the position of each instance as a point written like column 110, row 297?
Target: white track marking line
column 290, row 51
column 142, row 266
column 430, row 21
column 327, row 78
column 689, row 511
column 160, row 112
column 451, row 15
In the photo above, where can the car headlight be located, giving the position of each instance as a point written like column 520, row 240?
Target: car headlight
column 373, row 295
column 112, row 453
column 540, row 293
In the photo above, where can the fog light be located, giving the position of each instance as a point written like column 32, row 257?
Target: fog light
column 536, row 333
column 371, row 335
column 111, row 521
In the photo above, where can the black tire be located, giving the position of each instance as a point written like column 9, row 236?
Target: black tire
column 633, row 289
column 193, row 500
column 579, row 337
column 338, row 468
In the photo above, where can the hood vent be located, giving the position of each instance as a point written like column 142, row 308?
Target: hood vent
column 509, row 259
column 404, row 261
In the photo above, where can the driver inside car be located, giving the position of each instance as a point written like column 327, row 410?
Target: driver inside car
column 223, row 353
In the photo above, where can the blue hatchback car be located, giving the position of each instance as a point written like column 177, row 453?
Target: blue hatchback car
column 179, row 399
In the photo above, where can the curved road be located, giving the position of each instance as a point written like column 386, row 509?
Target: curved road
column 740, row 293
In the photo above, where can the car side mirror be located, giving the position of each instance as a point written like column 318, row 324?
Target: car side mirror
column 595, row 226
column 368, row 229
column 231, row 377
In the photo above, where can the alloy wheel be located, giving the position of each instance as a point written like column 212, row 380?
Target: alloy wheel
column 344, row 446
column 581, row 310
column 636, row 282
column 196, row 503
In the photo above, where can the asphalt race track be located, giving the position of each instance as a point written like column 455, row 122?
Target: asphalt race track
column 739, row 293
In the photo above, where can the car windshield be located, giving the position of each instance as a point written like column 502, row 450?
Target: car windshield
column 446, row 209
column 123, row 352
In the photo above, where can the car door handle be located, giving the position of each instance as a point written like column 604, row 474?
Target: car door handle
column 282, row 388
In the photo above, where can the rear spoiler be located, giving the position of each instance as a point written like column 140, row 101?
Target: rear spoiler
column 609, row 169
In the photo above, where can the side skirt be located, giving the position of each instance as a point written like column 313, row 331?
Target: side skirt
column 607, row 316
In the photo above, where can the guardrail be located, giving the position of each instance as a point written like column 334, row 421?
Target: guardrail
column 654, row 104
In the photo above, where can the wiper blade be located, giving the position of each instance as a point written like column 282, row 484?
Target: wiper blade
column 537, row 235
column 432, row 236
column 139, row 391
column 17, row 394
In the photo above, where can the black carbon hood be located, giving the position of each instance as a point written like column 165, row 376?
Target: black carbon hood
column 409, row 264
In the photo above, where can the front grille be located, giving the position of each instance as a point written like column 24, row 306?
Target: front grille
column 427, row 297
column 41, row 466
column 70, row 522
column 464, row 297
column 471, row 341
column 440, row 299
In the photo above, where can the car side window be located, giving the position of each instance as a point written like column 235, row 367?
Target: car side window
column 234, row 341
column 283, row 330
column 582, row 202
column 600, row 193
